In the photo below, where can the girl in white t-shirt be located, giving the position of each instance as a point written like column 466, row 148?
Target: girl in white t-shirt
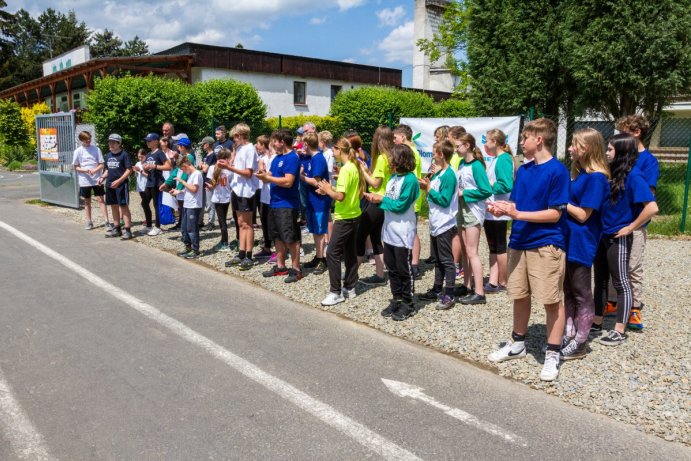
column 245, row 184
column 219, row 185
column 266, row 155
column 142, row 175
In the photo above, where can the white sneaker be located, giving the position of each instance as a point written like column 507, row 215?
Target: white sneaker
column 154, row 231
column 550, row 370
column 333, row 299
column 145, row 230
column 348, row 294
column 89, row 225
column 512, row 350
column 302, row 252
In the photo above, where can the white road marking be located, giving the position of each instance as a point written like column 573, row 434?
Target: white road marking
column 26, row 442
column 408, row 390
column 320, row 410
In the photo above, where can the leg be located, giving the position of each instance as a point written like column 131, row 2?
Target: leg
column 394, row 275
column 319, row 244
column 521, row 315
column 416, row 250
column 102, row 206
column 193, row 226
column 115, row 211
column 583, row 297
column 601, row 270
column 569, row 301
column 465, row 262
column 157, row 213
column 333, row 256
column 640, row 238
column 445, row 255
column 294, row 248
column 222, row 212
column 281, row 250
column 404, row 262
column 145, row 205
column 184, row 226
column 618, row 261
column 349, row 255
column 246, row 240
column 554, row 323
column 438, row 268
column 265, row 226
column 377, row 223
column 125, row 213
column 472, row 241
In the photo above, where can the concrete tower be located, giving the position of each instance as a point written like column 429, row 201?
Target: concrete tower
column 430, row 75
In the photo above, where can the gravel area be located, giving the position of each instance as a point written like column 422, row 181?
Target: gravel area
column 645, row 382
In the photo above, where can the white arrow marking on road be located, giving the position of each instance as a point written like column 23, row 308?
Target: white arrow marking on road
column 407, row 390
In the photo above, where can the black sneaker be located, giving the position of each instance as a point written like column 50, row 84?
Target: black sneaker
column 431, row 260
column 474, row 298
column 246, row 264
column 374, row 280
column 115, row 232
column 293, row 276
column 312, row 264
column 404, row 311
column 127, row 235
column 573, row 351
column 417, row 274
column 193, row 254
column 275, row 271
column 185, row 251
column 613, row 338
column 391, row 308
column 430, row 295
column 321, row 268
column 235, row 261
column 460, row 291
column 595, row 330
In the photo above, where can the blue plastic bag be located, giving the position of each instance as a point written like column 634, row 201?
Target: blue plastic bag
column 165, row 213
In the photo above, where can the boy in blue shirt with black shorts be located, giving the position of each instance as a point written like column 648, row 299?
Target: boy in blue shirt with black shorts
column 537, row 244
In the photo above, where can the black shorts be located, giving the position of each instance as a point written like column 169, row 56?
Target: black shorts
column 241, row 204
column 118, row 196
column 86, row 191
column 283, row 225
column 495, row 232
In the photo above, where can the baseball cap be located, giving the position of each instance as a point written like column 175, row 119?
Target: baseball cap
column 115, row 137
column 152, row 137
column 184, row 142
column 180, row 136
column 300, row 130
column 208, row 140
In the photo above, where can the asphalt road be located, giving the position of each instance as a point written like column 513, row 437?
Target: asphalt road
column 113, row 350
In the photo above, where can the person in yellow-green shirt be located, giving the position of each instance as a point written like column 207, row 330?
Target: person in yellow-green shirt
column 349, row 188
column 403, row 134
column 372, row 219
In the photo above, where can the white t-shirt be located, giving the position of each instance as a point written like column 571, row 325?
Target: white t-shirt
column 246, row 158
column 329, row 157
column 220, row 192
column 141, row 178
column 194, row 199
column 181, row 196
column 89, row 158
column 266, row 186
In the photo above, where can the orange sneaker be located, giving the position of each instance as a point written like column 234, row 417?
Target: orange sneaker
column 635, row 320
column 610, row 309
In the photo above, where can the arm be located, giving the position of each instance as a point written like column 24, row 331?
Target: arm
column 550, row 215
column 191, row 187
column 286, row 181
column 409, row 194
column 650, row 209
column 579, row 214
column 504, row 174
column 372, row 182
column 326, row 188
column 122, row 178
column 447, row 189
column 484, row 189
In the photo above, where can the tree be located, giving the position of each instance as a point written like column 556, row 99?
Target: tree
column 61, row 33
column 104, row 44
column 5, row 45
column 135, row 47
column 628, row 55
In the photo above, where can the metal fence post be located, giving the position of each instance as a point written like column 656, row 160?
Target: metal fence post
column 391, row 119
column 684, row 212
column 280, row 122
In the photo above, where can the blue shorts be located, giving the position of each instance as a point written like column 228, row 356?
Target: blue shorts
column 318, row 221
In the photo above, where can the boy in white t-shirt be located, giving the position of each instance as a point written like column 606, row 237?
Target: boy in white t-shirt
column 193, row 189
column 88, row 163
column 244, row 186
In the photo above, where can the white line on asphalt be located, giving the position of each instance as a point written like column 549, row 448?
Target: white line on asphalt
column 26, row 442
column 320, row 410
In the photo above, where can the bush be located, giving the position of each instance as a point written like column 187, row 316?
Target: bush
column 134, row 106
column 455, row 108
column 12, row 130
column 229, row 102
column 14, row 165
column 364, row 109
column 29, row 118
column 327, row 123
column 20, row 154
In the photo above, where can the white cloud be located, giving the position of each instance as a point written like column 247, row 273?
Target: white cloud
column 391, row 17
column 350, row 60
column 317, row 21
column 398, row 45
column 348, row 4
column 366, row 51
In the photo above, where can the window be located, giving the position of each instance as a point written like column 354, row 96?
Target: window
column 299, row 93
column 335, row 89
column 76, row 100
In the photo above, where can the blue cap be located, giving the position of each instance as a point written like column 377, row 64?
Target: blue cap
column 184, row 142
column 300, row 131
column 152, row 137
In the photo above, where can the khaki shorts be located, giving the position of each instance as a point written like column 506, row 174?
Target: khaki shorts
column 538, row 272
column 465, row 218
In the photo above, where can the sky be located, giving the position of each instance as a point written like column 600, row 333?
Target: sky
column 373, row 32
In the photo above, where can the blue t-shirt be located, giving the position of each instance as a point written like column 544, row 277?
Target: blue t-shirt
column 628, row 205
column 538, row 188
column 648, row 166
column 305, row 160
column 285, row 197
column 217, row 146
column 155, row 178
column 588, row 190
column 317, row 168
column 117, row 164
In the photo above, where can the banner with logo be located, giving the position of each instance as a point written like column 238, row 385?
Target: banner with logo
column 48, row 144
column 423, row 132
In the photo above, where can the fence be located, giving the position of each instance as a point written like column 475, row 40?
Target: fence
column 55, row 139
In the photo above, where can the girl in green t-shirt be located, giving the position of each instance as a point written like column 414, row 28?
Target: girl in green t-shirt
column 349, row 188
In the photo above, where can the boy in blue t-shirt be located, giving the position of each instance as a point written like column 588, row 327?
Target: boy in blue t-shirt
column 284, row 206
column 317, row 204
column 537, row 244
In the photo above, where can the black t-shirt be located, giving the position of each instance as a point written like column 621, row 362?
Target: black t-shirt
column 228, row 144
column 155, row 178
column 117, row 164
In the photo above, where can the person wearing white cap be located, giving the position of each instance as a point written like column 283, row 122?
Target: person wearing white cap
column 118, row 170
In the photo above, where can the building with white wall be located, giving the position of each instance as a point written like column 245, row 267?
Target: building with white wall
column 428, row 74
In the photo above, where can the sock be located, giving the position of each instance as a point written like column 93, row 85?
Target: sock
column 242, row 254
column 553, row 347
column 516, row 337
column 248, row 254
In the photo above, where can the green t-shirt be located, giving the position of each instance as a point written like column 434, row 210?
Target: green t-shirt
column 418, row 175
column 381, row 170
column 348, row 182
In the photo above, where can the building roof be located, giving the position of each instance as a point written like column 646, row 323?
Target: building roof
column 243, row 60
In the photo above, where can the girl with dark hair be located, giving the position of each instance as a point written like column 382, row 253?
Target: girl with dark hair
column 220, row 186
column 630, row 206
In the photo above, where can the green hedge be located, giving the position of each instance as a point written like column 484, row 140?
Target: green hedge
column 333, row 124
column 12, row 130
column 364, row 109
column 455, row 108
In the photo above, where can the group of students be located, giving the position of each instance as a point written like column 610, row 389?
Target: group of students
column 356, row 202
